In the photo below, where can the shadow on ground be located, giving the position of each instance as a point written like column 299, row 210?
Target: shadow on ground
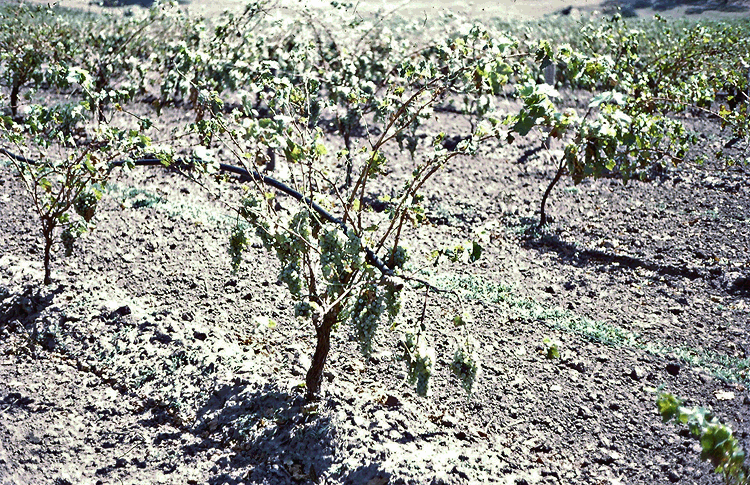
column 694, row 7
column 268, row 435
column 123, row 3
column 23, row 308
column 735, row 284
column 581, row 257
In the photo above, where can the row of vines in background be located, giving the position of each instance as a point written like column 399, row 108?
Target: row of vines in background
column 328, row 94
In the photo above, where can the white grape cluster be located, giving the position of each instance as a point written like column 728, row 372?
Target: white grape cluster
column 237, row 243
column 420, row 368
column 419, row 359
column 290, row 274
column 290, row 246
column 364, row 314
column 85, row 205
column 68, row 239
column 301, row 226
column 340, row 254
column 392, row 300
column 250, row 211
column 307, row 309
column 70, row 234
column 465, row 363
column 400, row 257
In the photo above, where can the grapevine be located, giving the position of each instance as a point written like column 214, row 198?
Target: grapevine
column 466, row 364
column 328, row 117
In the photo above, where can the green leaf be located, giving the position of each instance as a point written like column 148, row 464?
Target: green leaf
column 553, row 352
column 524, row 124
column 476, row 252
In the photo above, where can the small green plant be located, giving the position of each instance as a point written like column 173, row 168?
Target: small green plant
column 55, row 186
column 551, row 348
column 65, row 189
column 718, row 444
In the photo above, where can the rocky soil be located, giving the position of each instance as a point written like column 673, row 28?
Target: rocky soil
column 150, row 361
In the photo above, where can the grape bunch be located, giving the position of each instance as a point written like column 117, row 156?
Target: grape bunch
column 68, row 239
column 70, row 234
column 250, row 211
column 420, row 369
column 307, row 309
column 290, row 274
column 365, row 314
column 331, row 243
column 399, row 257
column 392, row 299
column 419, row 359
column 301, row 226
column 237, row 243
column 465, row 363
column 85, row 205
column 340, row 254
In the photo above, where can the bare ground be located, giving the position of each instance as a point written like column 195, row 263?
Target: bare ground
column 149, row 361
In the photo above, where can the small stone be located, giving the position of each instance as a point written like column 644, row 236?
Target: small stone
column 448, row 421
column 606, row 457
column 576, row 364
column 673, row 368
column 199, row 335
column 675, row 310
column 303, row 361
column 746, row 400
column 705, row 378
column 358, row 421
column 637, row 373
column 584, row 412
column 724, row 395
column 673, row 476
column 116, row 309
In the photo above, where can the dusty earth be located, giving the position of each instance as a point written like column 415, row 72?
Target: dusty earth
column 482, row 9
column 149, row 361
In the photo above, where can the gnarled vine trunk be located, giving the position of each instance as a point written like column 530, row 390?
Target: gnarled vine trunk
column 314, row 378
column 48, row 229
column 543, row 210
column 14, row 91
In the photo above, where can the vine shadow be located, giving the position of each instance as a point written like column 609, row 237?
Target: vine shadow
column 20, row 311
column 581, row 257
column 276, row 438
column 629, row 8
column 274, row 435
column 124, row 3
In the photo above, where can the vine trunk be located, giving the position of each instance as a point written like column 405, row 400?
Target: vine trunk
column 314, row 378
